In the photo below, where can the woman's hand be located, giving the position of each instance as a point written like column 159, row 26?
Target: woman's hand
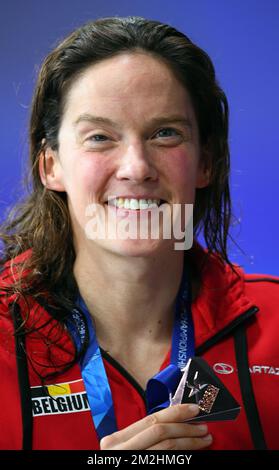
column 164, row 430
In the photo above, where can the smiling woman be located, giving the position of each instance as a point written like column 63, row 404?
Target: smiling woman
column 135, row 159
column 128, row 125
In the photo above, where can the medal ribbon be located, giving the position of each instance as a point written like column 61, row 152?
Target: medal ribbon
column 158, row 388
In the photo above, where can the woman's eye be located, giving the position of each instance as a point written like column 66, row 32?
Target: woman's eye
column 98, row 138
column 167, row 132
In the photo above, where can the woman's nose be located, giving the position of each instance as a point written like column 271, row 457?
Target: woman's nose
column 136, row 164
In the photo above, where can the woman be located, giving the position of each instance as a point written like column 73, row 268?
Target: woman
column 127, row 116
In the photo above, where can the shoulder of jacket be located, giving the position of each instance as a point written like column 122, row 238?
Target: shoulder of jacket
column 261, row 279
column 264, row 290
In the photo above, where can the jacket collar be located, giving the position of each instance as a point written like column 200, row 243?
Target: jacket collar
column 221, row 299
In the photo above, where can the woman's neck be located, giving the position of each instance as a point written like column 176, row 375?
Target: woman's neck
column 130, row 299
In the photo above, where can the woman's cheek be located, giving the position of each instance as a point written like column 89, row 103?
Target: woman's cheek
column 181, row 169
column 90, row 176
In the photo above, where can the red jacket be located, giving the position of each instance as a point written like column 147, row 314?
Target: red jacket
column 228, row 311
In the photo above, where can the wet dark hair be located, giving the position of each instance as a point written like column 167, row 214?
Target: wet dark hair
column 42, row 221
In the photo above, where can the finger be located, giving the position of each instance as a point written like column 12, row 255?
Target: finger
column 134, row 434
column 163, row 432
column 173, row 414
column 188, row 443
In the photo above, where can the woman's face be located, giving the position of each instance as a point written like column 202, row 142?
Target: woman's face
column 128, row 130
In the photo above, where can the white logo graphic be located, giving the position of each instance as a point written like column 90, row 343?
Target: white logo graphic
column 222, row 368
column 112, row 223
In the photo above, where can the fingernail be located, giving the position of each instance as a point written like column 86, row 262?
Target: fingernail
column 202, row 427
column 194, row 408
column 207, row 438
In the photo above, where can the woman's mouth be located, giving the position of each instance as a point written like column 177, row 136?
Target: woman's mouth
column 134, row 204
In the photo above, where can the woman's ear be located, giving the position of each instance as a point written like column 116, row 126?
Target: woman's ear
column 204, row 169
column 50, row 170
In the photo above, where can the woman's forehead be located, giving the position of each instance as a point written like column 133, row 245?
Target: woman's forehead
column 138, row 82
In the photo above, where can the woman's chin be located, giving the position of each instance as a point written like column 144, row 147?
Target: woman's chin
column 135, row 247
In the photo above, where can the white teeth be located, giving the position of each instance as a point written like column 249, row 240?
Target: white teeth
column 143, row 204
column 134, row 204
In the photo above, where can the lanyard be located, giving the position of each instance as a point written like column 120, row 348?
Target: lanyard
column 159, row 387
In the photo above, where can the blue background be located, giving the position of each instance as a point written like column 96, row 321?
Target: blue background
column 240, row 36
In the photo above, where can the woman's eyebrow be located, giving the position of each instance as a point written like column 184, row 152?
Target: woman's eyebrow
column 159, row 120
column 94, row 120
column 172, row 119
